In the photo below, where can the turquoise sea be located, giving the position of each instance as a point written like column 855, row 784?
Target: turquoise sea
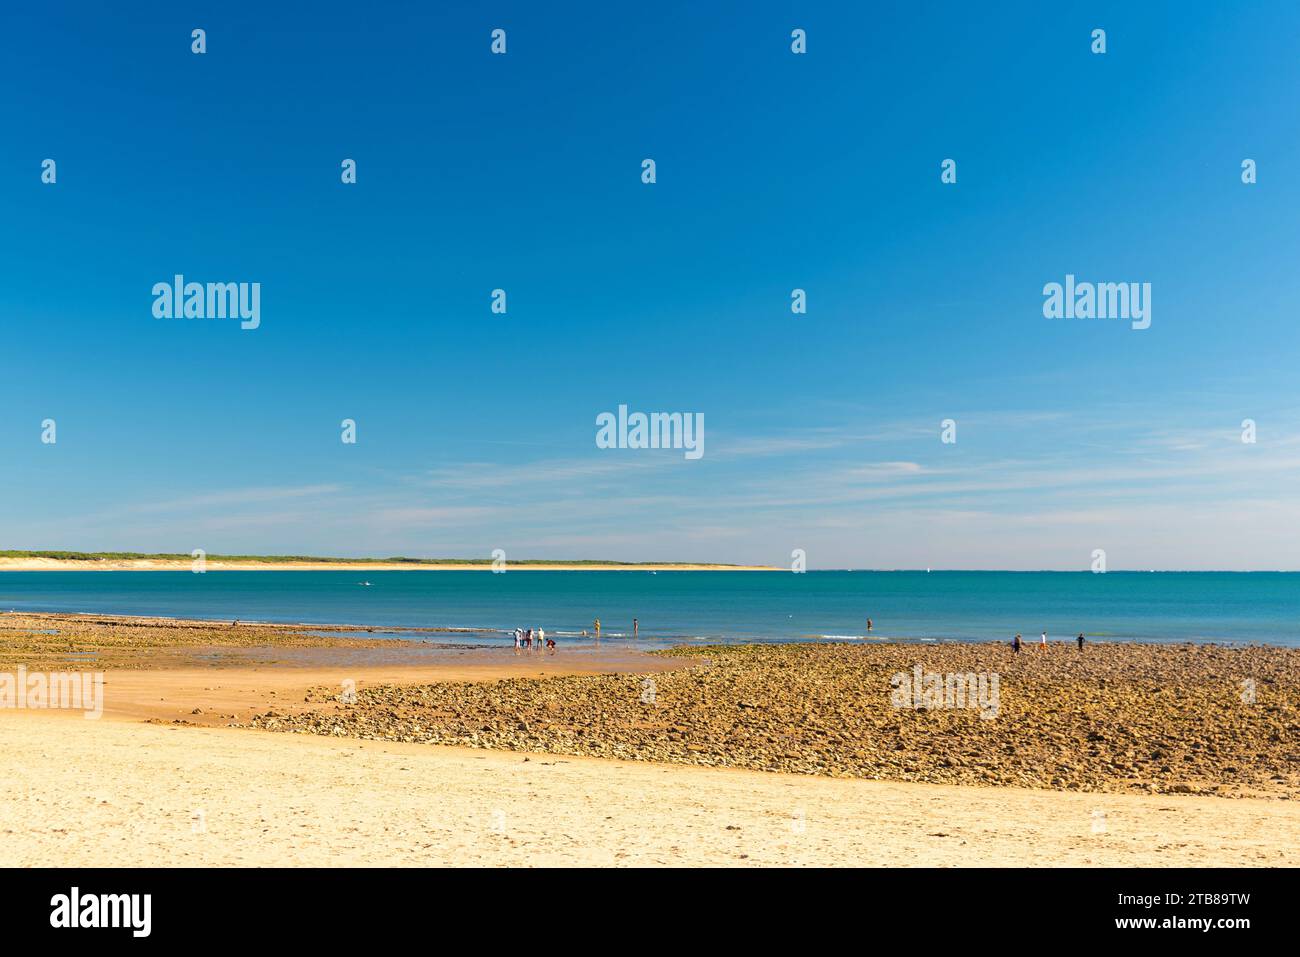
column 675, row 607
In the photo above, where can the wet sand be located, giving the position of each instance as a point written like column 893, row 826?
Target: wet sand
column 232, row 693
column 220, row 673
column 85, row 641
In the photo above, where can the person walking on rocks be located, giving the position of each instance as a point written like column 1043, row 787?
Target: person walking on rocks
column 1080, row 641
column 1015, row 644
column 1043, row 644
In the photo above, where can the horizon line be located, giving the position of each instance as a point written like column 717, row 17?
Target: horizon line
column 68, row 555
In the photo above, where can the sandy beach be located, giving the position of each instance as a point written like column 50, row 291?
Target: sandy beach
column 39, row 564
column 742, row 756
column 111, row 792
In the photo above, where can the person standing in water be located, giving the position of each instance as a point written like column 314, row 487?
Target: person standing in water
column 868, row 626
column 634, row 627
column 541, row 640
column 597, row 627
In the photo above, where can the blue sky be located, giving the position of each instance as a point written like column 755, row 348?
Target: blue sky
column 775, row 171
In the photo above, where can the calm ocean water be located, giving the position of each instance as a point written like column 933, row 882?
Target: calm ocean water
column 707, row 606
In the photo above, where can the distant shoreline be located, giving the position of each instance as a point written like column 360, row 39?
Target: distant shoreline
column 66, row 561
column 37, row 563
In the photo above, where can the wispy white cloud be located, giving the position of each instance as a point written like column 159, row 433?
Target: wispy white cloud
column 886, row 497
column 232, row 497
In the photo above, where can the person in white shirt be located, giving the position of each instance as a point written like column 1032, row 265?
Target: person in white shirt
column 1043, row 644
column 541, row 639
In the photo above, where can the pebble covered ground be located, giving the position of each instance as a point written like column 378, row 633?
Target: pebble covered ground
column 1182, row 718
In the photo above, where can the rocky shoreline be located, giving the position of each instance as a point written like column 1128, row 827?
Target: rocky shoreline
column 1208, row 719
column 69, row 642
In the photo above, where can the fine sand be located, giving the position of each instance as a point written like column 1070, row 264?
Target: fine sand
column 113, row 793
